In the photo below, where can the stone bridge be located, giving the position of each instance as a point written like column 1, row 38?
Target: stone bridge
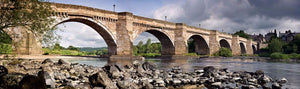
column 120, row 29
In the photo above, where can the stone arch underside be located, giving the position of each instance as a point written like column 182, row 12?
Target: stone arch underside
column 108, row 38
column 243, row 48
column 225, row 43
column 201, row 46
column 167, row 47
column 254, row 49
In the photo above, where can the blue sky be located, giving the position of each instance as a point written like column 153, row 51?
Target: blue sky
column 253, row 16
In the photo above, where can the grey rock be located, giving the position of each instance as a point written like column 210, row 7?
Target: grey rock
column 127, row 84
column 101, row 79
column 276, row 86
column 62, row 62
column 149, row 66
column 47, row 61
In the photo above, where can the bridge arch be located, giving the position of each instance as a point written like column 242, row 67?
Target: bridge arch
column 201, row 46
column 98, row 27
column 167, row 46
column 254, row 49
column 224, row 43
column 243, row 48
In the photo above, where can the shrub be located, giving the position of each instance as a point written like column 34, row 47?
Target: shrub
column 150, row 55
column 225, row 52
column 244, row 54
column 277, row 55
column 5, row 48
column 264, row 55
column 191, row 54
column 293, row 56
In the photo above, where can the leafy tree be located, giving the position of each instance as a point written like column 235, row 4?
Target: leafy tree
column 275, row 45
column 241, row 33
column 31, row 14
column 73, row 48
column 148, row 46
column 141, row 48
column 58, row 47
column 4, row 38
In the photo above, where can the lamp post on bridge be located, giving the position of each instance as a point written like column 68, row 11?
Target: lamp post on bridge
column 114, row 7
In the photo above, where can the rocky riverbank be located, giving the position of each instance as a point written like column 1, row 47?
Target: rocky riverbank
column 29, row 74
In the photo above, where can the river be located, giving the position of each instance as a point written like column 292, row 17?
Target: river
column 276, row 70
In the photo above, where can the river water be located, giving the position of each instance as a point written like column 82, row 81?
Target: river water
column 276, row 70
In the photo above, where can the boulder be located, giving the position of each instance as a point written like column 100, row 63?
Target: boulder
column 101, row 79
column 276, row 86
column 127, row 84
column 3, row 71
column 11, row 81
column 62, row 62
column 32, row 82
column 47, row 61
column 149, row 66
column 209, row 71
column 49, row 78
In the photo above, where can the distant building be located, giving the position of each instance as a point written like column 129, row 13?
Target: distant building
column 258, row 38
column 269, row 35
column 288, row 36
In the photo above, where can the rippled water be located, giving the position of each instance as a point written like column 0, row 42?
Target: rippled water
column 276, row 70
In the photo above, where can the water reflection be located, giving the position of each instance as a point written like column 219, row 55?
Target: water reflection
column 275, row 70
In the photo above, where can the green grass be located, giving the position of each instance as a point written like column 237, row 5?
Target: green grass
column 150, row 55
column 48, row 51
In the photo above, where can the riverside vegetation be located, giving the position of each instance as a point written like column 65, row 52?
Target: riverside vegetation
column 38, row 74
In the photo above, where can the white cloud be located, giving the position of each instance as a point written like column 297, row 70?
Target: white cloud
column 79, row 35
column 233, row 15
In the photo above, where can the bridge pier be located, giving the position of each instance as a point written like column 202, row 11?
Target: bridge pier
column 236, row 49
column 249, row 50
column 124, row 26
column 24, row 42
column 214, row 44
column 180, row 43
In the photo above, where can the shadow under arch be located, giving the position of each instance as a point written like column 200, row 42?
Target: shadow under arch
column 201, row 46
column 243, row 48
column 167, row 46
column 104, row 33
column 224, row 43
column 254, row 49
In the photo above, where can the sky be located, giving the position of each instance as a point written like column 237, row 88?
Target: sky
column 252, row 16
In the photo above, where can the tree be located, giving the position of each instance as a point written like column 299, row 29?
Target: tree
column 58, row 47
column 148, row 46
column 141, row 48
column 73, row 48
column 241, row 33
column 275, row 45
column 31, row 14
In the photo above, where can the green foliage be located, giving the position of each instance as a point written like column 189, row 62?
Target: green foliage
column 191, row 54
column 241, row 33
column 278, row 55
column 244, row 55
column 73, row 48
column 5, row 48
column 31, row 14
column 58, row 47
column 4, row 38
column 275, row 45
column 294, row 56
column 192, row 45
column 264, row 55
column 225, row 52
column 147, row 50
column 150, row 55
column 90, row 49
